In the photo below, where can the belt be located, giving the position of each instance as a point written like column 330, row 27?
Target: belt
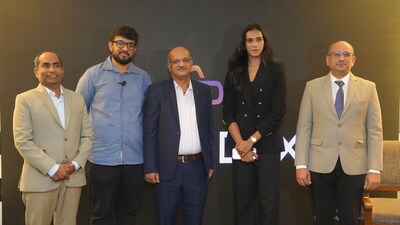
column 189, row 158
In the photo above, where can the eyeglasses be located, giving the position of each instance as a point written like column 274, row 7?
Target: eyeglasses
column 121, row 44
column 337, row 54
column 177, row 61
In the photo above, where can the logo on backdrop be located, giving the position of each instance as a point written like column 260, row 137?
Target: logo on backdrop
column 227, row 159
column 212, row 83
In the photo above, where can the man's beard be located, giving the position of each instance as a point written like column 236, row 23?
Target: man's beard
column 122, row 61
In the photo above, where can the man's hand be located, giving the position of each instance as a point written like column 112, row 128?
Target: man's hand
column 372, row 181
column 61, row 174
column 210, row 173
column 152, row 178
column 303, row 177
column 69, row 167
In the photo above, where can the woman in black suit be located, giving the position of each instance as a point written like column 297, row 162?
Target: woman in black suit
column 253, row 108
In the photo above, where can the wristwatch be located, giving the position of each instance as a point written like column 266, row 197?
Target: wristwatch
column 253, row 139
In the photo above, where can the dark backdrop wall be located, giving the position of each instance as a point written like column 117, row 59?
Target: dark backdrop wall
column 301, row 32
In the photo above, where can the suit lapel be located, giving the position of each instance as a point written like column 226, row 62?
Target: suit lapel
column 327, row 86
column 197, row 101
column 201, row 111
column 172, row 98
column 67, row 108
column 261, row 76
column 352, row 89
column 45, row 98
column 246, row 90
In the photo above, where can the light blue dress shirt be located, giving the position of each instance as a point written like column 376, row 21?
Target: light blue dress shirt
column 115, row 102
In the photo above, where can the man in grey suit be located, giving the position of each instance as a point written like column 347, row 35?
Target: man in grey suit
column 339, row 139
column 53, row 135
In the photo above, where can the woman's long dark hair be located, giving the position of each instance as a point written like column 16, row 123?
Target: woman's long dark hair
column 238, row 62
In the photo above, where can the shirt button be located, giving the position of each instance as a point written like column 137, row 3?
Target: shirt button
column 340, row 143
column 65, row 139
column 258, row 116
column 260, row 89
column 66, row 157
column 242, row 103
column 245, row 115
column 260, row 103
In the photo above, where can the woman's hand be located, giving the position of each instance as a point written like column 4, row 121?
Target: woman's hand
column 249, row 157
column 244, row 147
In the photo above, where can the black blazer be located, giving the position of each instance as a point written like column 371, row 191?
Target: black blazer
column 263, row 113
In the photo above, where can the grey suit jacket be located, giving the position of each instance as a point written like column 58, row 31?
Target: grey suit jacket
column 42, row 141
column 356, row 137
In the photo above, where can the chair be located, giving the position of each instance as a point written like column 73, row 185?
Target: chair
column 385, row 211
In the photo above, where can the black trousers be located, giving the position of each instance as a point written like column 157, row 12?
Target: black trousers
column 115, row 193
column 337, row 194
column 256, row 190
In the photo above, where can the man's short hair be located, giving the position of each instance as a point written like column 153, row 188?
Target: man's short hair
column 36, row 61
column 125, row 32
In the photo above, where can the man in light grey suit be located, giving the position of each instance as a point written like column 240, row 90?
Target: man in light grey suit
column 339, row 139
column 53, row 135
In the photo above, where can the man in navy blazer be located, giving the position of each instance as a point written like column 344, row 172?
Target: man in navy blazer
column 178, row 141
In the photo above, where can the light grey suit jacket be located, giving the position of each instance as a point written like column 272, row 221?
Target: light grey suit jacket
column 42, row 141
column 356, row 137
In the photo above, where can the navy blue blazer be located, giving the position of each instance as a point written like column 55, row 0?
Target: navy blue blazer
column 162, row 131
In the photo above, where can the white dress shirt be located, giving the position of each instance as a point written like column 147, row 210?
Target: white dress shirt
column 189, row 142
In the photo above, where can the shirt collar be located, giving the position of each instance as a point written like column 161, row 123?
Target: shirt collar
column 345, row 79
column 52, row 93
column 190, row 86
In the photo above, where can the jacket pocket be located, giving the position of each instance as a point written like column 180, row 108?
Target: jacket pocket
column 360, row 141
column 315, row 141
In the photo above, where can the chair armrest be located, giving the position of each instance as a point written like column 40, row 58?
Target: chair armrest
column 388, row 188
column 366, row 210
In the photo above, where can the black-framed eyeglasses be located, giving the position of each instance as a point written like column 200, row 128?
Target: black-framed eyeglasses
column 177, row 61
column 337, row 54
column 121, row 44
